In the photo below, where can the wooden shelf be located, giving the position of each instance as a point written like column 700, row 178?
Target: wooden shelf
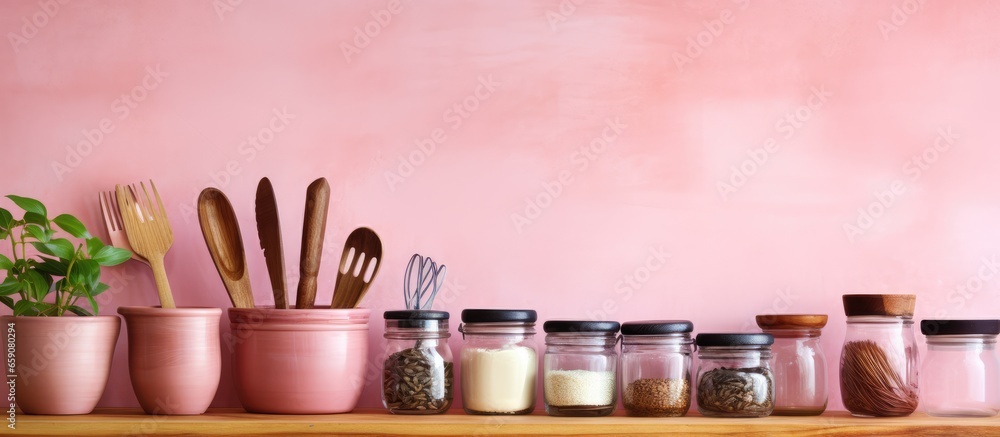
column 227, row 421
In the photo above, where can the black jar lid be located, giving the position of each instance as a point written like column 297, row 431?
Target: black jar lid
column 498, row 316
column 657, row 327
column 960, row 327
column 416, row 318
column 581, row 326
column 711, row 340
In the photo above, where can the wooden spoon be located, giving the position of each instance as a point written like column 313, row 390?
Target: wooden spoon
column 313, row 232
column 269, row 232
column 362, row 249
column 222, row 235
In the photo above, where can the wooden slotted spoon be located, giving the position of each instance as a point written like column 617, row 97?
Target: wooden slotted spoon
column 362, row 254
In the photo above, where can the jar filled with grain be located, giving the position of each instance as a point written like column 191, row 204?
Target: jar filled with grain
column 417, row 371
column 499, row 362
column 734, row 375
column 579, row 369
column 656, row 367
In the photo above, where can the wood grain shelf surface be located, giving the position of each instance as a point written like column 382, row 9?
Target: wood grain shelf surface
column 236, row 422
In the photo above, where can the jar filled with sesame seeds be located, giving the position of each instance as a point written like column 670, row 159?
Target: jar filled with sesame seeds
column 580, row 366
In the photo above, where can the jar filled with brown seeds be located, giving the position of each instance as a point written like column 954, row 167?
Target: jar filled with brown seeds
column 417, row 373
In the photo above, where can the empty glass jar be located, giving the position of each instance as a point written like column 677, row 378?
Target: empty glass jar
column 656, row 367
column 879, row 361
column 734, row 375
column 798, row 362
column 417, row 370
column 961, row 373
column 579, row 368
column 499, row 362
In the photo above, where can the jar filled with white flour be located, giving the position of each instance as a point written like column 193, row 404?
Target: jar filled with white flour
column 579, row 369
column 499, row 363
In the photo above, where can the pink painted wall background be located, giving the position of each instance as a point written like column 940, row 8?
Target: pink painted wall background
column 713, row 160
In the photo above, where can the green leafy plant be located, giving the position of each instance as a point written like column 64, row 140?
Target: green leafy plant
column 61, row 269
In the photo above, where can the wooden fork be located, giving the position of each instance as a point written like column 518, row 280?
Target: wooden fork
column 113, row 221
column 149, row 234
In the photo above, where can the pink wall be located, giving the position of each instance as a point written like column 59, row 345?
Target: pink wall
column 681, row 127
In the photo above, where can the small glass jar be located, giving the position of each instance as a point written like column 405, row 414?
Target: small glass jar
column 798, row 362
column 961, row 374
column 417, row 370
column 656, row 368
column 734, row 375
column 879, row 362
column 499, row 362
column 579, row 370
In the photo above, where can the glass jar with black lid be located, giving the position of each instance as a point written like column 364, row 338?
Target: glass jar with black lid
column 734, row 375
column 961, row 373
column 656, row 367
column 417, row 374
column 499, row 361
column 579, row 369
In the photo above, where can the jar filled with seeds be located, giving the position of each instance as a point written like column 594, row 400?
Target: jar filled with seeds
column 417, row 373
column 734, row 375
column 499, row 362
column 656, row 367
column 579, row 368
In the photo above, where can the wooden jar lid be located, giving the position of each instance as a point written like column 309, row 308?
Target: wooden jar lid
column 791, row 321
column 895, row 305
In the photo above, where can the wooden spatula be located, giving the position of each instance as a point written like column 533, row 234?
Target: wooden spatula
column 269, row 231
column 313, row 231
column 362, row 255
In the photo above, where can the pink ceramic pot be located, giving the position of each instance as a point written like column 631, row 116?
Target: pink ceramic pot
column 299, row 361
column 173, row 357
column 61, row 363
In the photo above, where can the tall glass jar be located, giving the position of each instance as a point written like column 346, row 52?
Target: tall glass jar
column 961, row 374
column 879, row 361
column 417, row 374
column 734, row 375
column 499, row 362
column 799, row 363
column 656, row 367
column 579, row 370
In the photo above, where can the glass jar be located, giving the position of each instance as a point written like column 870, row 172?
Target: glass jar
column 798, row 363
column 579, row 369
column 499, row 362
column 656, row 367
column 961, row 374
column 734, row 375
column 879, row 360
column 417, row 371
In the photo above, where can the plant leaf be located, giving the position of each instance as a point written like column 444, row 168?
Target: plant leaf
column 7, row 301
column 101, row 288
column 86, row 273
column 60, row 247
column 37, row 233
column 29, row 308
column 79, row 311
column 5, row 219
column 30, row 217
column 72, row 225
column 52, row 266
column 5, row 263
column 93, row 303
column 28, row 204
column 36, row 284
column 93, row 245
column 111, row 256
column 9, row 286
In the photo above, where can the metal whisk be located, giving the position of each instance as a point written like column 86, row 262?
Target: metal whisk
column 428, row 275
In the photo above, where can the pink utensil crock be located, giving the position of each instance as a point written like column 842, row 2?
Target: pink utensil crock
column 174, row 357
column 299, row 361
column 62, row 363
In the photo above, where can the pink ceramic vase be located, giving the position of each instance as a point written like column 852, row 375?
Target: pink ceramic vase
column 61, row 363
column 173, row 357
column 299, row 361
